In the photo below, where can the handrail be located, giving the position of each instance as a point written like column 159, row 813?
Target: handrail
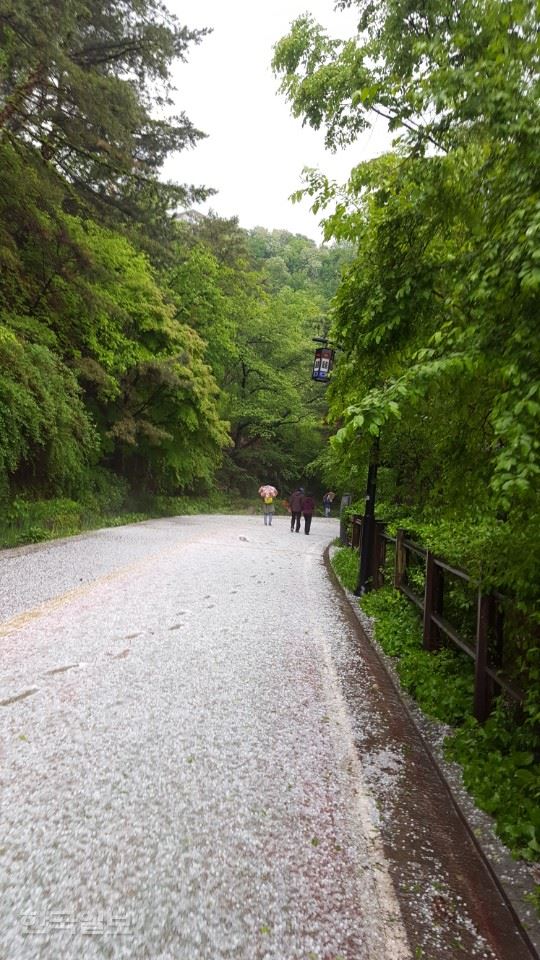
column 453, row 570
column 415, row 548
column 412, row 596
column 488, row 616
column 451, row 632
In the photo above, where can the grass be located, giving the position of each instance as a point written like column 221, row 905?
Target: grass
column 26, row 521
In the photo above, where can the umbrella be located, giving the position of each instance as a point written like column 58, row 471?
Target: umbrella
column 267, row 490
column 330, row 494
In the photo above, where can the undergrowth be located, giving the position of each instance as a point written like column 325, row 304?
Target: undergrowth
column 501, row 771
column 499, row 759
column 441, row 683
column 345, row 563
column 26, row 521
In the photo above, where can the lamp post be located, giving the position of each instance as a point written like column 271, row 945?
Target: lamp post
column 322, row 365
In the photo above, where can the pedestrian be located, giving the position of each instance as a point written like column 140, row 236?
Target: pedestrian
column 267, row 494
column 295, row 506
column 327, row 502
column 308, row 506
column 268, row 510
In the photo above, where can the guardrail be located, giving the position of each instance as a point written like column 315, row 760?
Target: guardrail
column 487, row 650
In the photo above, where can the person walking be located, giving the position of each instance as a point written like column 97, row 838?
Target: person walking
column 268, row 510
column 308, row 506
column 295, row 506
column 327, row 502
column 268, row 493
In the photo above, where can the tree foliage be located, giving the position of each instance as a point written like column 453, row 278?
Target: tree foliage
column 438, row 313
column 80, row 83
column 258, row 328
column 136, row 336
column 97, row 364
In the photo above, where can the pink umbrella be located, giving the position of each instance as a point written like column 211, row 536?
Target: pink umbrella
column 267, row 490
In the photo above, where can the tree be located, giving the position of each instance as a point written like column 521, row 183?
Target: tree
column 98, row 366
column 47, row 439
column 257, row 328
column 81, row 84
column 438, row 314
column 143, row 370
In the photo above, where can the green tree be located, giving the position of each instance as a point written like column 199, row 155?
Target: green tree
column 258, row 331
column 99, row 362
column 438, row 314
column 47, row 438
column 274, row 410
column 81, row 84
column 144, row 372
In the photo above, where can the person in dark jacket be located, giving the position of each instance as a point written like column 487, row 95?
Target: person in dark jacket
column 308, row 506
column 295, row 506
column 327, row 502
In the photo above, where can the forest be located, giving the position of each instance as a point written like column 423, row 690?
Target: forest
column 146, row 351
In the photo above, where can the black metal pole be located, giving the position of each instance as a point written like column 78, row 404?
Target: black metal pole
column 368, row 528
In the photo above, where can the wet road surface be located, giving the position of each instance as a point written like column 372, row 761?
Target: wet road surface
column 203, row 760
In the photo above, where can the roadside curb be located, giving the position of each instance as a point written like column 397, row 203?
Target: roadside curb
column 513, row 878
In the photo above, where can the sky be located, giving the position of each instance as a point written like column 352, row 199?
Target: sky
column 255, row 151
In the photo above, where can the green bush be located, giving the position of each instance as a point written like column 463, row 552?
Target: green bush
column 499, row 759
column 345, row 563
column 30, row 521
column 104, row 493
column 501, row 772
column 124, row 518
column 106, row 502
column 441, row 682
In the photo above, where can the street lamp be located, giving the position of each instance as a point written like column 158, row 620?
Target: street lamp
column 322, row 366
column 323, row 360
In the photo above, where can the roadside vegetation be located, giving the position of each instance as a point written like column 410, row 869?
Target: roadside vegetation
column 497, row 758
column 146, row 351
column 33, row 521
column 437, row 316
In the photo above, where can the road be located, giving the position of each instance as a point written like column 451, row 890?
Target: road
column 201, row 760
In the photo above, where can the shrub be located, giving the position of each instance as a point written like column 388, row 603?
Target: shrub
column 345, row 563
column 498, row 758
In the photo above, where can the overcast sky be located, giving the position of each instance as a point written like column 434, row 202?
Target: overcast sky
column 255, row 150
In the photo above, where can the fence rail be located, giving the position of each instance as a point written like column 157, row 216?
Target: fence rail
column 489, row 631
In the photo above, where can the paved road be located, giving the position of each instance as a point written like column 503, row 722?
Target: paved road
column 199, row 762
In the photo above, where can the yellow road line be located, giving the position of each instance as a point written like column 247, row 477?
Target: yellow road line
column 55, row 603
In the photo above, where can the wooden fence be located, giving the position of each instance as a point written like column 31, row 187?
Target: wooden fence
column 487, row 648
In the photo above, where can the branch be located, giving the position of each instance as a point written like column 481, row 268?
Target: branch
column 409, row 125
column 22, row 92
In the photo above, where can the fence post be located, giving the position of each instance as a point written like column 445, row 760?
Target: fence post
column 356, row 531
column 379, row 555
column 483, row 687
column 345, row 501
column 498, row 630
column 433, row 601
column 400, row 559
